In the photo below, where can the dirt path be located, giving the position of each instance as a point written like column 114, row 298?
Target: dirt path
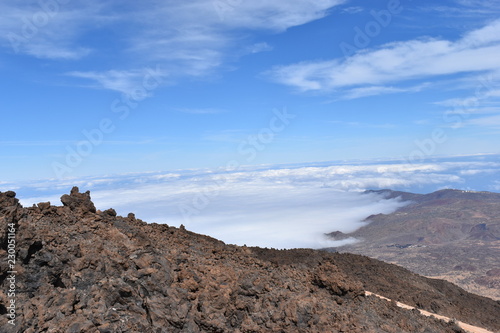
column 464, row 326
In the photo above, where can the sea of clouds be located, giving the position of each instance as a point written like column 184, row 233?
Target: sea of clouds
column 284, row 206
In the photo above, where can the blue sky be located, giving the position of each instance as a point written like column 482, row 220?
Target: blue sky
column 100, row 90
column 185, row 84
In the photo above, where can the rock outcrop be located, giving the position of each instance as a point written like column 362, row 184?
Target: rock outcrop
column 79, row 269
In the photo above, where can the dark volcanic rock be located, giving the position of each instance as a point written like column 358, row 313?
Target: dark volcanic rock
column 78, row 201
column 82, row 270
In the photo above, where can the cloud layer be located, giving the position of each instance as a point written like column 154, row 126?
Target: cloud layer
column 281, row 207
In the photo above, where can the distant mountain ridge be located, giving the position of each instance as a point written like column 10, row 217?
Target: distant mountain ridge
column 446, row 194
column 436, row 218
column 450, row 234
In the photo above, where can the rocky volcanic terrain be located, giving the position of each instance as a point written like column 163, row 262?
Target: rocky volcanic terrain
column 448, row 234
column 78, row 269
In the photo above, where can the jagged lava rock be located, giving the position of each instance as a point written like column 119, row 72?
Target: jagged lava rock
column 78, row 201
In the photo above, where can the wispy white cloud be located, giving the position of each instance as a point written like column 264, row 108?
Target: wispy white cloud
column 185, row 38
column 481, row 110
column 125, row 81
column 259, row 47
column 48, row 29
column 396, row 62
column 353, row 10
column 44, row 50
column 485, row 122
column 473, row 172
column 465, row 9
column 274, row 15
column 381, row 90
column 198, row 34
column 472, row 102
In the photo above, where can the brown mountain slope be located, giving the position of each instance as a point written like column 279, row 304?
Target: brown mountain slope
column 433, row 295
column 82, row 270
column 449, row 234
column 399, row 284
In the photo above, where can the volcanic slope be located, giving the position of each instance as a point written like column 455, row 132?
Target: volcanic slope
column 79, row 269
column 449, row 234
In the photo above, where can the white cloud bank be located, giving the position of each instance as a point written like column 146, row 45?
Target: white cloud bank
column 282, row 208
column 257, row 212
